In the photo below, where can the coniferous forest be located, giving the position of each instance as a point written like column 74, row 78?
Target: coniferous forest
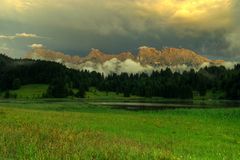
column 165, row 83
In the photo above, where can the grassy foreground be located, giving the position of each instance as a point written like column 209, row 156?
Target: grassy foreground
column 74, row 130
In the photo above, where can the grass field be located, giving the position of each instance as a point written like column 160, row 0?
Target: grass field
column 35, row 91
column 95, row 94
column 78, row 130
column 32, row 91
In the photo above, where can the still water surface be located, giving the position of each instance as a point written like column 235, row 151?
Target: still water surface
column 168, row 105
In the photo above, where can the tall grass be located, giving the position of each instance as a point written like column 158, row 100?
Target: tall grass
column 71, row 130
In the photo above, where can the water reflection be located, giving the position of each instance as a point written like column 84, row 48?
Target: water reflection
column 169, row 105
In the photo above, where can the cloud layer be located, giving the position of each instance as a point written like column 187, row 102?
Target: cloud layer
column 208, row 26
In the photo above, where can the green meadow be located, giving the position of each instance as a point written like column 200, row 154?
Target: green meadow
column 38, row 129
column 36, row 91
column 31, row 91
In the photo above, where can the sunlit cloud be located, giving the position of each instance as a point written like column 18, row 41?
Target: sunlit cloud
column 6, row 37
column 19, row 35
column 26, row 35
column 113, row 25
column 35, row 46
column 18, row 5
column 199, row 15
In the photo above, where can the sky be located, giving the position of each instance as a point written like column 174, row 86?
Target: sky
column 209, row 27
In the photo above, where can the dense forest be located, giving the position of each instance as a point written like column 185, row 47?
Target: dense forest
column 165, row 83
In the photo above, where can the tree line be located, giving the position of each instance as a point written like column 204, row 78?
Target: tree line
column 164, row 83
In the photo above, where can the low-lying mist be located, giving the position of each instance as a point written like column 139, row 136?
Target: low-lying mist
column 129, row 66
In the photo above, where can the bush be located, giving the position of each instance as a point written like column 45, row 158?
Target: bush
column 81, row 92
column 8, row 95
column 58, row 89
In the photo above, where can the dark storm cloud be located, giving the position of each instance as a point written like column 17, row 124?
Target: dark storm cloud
column 75, row 26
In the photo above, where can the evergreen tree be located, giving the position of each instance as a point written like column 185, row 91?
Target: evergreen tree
column 81, row 92
column 16, row 84
column 126, row 92
column 186, row 92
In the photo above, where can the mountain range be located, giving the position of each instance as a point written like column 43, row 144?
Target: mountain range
column 147, row 59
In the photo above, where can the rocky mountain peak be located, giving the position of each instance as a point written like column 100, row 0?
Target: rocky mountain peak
column 147, row 55
column 124, row 56
column 95, row 53
column 97, row 56
column 147, row 52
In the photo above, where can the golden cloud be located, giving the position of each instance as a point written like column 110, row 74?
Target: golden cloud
column 208, row 23
column 19, row 5
column 180, row 14
column 197, row 14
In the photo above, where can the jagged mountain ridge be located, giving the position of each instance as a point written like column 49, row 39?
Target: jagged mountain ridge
column 146, row 56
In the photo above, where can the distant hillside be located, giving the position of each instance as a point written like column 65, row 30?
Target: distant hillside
column 4, row 60
column 29, row 71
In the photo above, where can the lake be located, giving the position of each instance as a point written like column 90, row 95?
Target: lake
column 170, row 105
